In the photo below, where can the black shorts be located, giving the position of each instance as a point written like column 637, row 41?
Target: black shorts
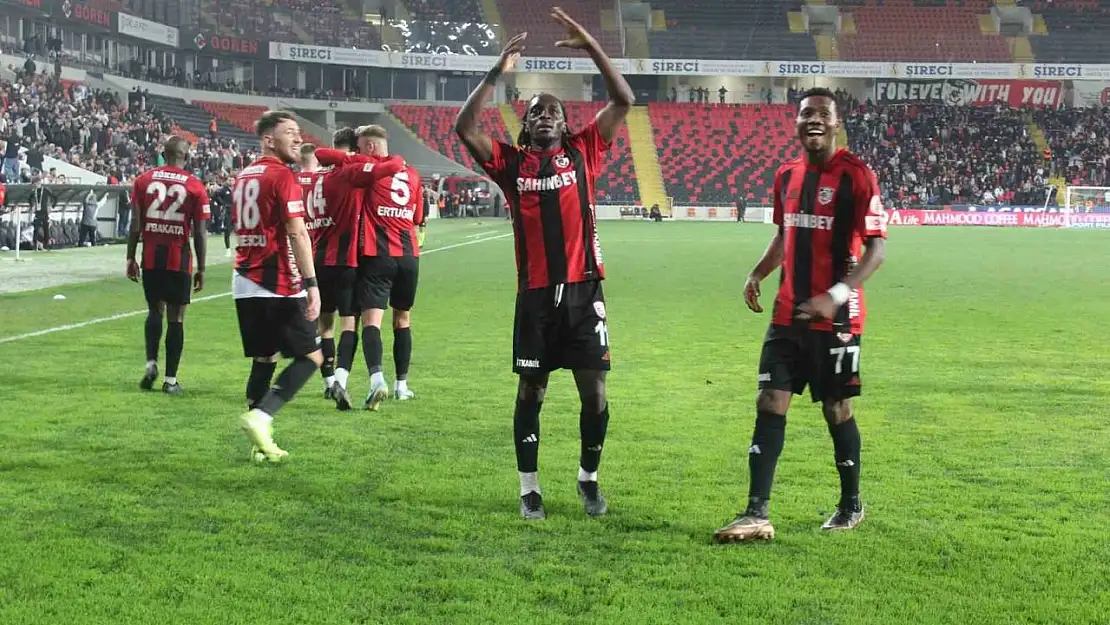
column 796, row 356
column 269, row 325
column 387, row 281
column 337, row 290
column 175, row 288
column 567, row 330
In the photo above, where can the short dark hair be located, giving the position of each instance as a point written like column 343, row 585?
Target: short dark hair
column 270, row 120
column 176, row 150
column 820, row 92
column 345, row 137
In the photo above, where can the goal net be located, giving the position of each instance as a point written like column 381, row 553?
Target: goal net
column 1084, row 201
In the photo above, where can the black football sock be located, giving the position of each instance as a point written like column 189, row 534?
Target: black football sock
column 592, row 426
column 288, row 382
column 526, row 434
column 372, row 349
column 153, row 335
column 402, row 351
column 227, row 238
column 327, row 346
column 846, row 443
column 345, row 354
column 763, row 455
column 259, row 381
column 175, row 344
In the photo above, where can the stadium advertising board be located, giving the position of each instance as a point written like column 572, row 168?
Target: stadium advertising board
column 147, row 30
column 957, row 92
column 1091, row 93
column 33, row 5
column 1023, row 72
column 81, row 14
column 210, row 43
column 915, row 217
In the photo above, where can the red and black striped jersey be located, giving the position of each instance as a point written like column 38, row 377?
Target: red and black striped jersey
column 316, row 217
column 265, row 196
column 824, row 213
column 170, row 202
column 551, row 196
column 391, row 210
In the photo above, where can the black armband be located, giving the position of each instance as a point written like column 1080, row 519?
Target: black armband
column 492, row 76
column 310, row 282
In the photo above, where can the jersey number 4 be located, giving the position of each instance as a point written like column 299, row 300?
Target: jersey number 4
column 175, row 193
column 245, row 197
column 316, row 205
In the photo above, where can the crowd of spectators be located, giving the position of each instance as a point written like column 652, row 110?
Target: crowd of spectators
column 1079, row 139
column 939, row 154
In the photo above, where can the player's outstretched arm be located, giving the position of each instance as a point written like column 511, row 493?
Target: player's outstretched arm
column 476, row 140
column 621, row 98
column 200, row 248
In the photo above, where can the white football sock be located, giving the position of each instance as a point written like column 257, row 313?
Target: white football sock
column 401, row 385
column 585, row 476
column 169, row 380
column 377, row 379
column 529, row 483
column 150, row 364
column 341, row 377
column 329, row 380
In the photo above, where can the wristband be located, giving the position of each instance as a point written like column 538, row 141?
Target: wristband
column 839, row 293
column 310, row 282
column 492, row 76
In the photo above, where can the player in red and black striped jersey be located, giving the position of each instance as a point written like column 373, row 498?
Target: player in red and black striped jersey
column 828, row 210
column 310, row 177
column 548, row 180
column 389, row 263
column 168, row 206
column 274, row 283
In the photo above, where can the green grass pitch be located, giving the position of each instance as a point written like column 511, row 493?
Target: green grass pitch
column 985, row 466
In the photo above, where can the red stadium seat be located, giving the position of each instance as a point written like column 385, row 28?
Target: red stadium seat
column 711, row 153
column 243, row 116
column 435, row 125
column 921, row 31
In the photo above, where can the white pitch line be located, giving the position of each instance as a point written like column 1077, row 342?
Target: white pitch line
column 135, row 313
column 479, row 234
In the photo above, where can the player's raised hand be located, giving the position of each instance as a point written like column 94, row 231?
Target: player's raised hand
column 751, row 295
column 578, row 38
column 818, row 307
column 132, row 270
column 312, row 311
column 511, row 53
column 198, row 282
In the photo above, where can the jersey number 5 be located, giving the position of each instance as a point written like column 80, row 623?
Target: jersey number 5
column 176, row 193
column 399, row 189
column 245, row 197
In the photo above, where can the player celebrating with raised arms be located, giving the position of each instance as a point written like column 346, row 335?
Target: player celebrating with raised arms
column 827, row 209
column 168, row 205
column 561, row 322
column 274, row 285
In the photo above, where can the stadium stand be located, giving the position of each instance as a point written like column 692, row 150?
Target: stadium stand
column 1076, row 31
column 744, row 29
column 328, row 22
column 1079, row 140
column 535, row 19
column 445, row 10
column 710, row 153
column 242, row 117
column 435, row 126
column 920, row 30
column 936, row 155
